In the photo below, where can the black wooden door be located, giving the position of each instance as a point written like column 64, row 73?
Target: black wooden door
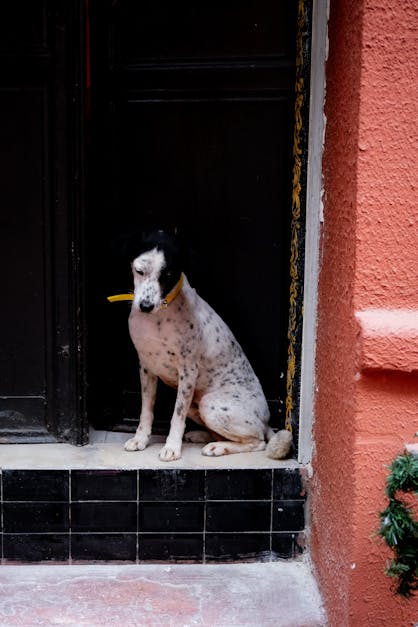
column 192, row 125
column 40, row 190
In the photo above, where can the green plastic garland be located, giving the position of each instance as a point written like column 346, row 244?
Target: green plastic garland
column 398, row 527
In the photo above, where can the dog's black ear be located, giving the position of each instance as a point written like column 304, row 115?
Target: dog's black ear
column 127, row 246
column 173, row 243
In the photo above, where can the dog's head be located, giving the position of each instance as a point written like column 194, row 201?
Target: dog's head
column 157, row 262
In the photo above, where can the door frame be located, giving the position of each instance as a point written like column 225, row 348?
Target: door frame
column 314, row 220
column 67, row 419
column 302, row 382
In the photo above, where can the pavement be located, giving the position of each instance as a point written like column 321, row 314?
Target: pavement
column 283, row 594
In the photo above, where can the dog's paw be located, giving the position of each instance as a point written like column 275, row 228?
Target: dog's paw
column 136, row 444
column 170, row 453
column 198, row 437
column 215, row 449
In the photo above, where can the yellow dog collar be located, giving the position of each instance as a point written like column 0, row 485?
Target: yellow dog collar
column 119, row 297
column 174, row 292
column 167, row 300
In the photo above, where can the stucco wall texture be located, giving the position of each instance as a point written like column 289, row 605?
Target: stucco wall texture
column 366, row 405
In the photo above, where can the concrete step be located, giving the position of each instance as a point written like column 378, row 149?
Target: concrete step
column 283, row 594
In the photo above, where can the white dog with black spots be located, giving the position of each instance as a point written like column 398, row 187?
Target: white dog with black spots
column 180, row 339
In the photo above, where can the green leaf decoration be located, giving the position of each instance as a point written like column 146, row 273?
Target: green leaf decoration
column 398, row 527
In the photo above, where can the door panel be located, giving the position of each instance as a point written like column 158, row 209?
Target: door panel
column 22, row 114
column 164, row 30
column 40, row 351
column 192, row 129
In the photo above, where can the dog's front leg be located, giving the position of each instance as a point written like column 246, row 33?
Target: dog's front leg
column 185, row 392
column 148, row 394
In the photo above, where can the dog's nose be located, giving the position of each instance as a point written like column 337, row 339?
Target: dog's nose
column 146, row 307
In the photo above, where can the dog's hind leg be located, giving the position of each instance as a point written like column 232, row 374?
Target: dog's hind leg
column 227, row 447
column 148, row 394
column 238, row 424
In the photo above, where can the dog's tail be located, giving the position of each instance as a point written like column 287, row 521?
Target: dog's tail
column 279, row 443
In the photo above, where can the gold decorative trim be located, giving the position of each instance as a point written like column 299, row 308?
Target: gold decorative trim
column 295, row 222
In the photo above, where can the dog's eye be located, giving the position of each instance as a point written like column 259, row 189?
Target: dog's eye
column 141, row 272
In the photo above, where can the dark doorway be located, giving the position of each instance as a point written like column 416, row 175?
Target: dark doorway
column 191, row 128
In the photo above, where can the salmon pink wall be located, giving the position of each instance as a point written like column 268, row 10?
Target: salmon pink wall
column 366, row 405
